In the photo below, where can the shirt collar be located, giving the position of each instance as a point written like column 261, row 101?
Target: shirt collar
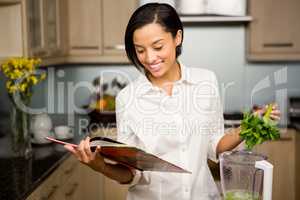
column 145, row 86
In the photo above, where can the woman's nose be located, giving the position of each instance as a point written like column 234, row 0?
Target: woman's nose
column 150, row 56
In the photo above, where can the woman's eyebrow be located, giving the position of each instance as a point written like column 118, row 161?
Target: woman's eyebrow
column 155, row 42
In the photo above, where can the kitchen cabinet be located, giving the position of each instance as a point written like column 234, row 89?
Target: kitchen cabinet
column 111, row 189
column 96, row 30
column 33, row 28
column 273, row 34
column 45, row 28
column 70, row 181
column 11, row 31
column 284, row 155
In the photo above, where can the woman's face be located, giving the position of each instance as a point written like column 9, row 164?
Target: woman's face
column 156, row 49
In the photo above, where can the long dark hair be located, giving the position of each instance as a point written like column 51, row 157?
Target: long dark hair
column 159, row 13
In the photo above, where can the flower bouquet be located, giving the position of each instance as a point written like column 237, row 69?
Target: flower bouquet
column 22, row 74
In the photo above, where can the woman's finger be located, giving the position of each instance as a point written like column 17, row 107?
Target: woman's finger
column 87, row 148
column 74, row 151
column 81, row 152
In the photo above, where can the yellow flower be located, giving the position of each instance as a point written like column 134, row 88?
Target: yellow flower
column 16, row 69
column 43, row 76
column 34, row 80
column 23, row 87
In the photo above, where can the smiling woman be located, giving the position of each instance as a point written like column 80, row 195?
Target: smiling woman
column 170, row 110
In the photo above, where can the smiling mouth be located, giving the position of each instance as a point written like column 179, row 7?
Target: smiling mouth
column 155, row 67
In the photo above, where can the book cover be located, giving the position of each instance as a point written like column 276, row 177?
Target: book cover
column 132, row 156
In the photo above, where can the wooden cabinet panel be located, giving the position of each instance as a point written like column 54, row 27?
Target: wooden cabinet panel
column 274, row 32
column 11, row 37
column 283, row 154
column 85, row 27
column 96, row 30
column 114, row 190
column 114, row 24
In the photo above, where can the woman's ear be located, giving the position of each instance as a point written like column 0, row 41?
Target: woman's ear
column 178, row 38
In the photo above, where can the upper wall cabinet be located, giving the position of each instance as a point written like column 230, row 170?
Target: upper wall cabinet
column 11, row 31
column 44, row 28
column 97, row 28
column 33, row 28
column 274, row 33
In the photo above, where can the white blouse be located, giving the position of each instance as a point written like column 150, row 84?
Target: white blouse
column 183, row 128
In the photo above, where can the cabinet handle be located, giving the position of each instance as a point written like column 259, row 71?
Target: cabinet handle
column 51, row 193
column 69, row 170
column 72, row 190
column 288, row 44
column 41, row 53
column 116, row 47
column 85, row 47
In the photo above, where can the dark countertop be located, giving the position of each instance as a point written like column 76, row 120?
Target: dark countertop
column 20, row 177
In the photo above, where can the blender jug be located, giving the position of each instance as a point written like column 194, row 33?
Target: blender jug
column 245, row 176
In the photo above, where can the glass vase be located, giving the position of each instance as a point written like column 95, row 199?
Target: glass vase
column 21, row 138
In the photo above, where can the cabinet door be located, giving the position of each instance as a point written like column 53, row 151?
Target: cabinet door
column 116, row 14
column 274, row 32
column 85, row 27
column 36, row 29
column 281, row 154
column 11, row 31
column 92, row 183
column 52, row 22
column 114, row 190
column 71, row 189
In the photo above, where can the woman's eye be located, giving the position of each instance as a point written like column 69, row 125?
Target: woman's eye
column 158, row 48
column 140, row 51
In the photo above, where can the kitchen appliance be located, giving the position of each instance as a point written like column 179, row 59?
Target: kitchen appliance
column 245, row 176
column 294, row 112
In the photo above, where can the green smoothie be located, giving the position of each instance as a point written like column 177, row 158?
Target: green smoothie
column 241, row 195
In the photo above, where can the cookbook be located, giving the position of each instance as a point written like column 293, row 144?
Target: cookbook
column 130, row 156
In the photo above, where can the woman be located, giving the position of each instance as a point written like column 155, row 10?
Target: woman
column 170, row 110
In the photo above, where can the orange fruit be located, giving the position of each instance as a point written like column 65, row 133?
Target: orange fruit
column 101, row 104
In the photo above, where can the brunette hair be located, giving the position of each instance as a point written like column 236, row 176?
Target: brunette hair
column 160, row 13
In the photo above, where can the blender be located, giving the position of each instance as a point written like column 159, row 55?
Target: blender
column 245, row 175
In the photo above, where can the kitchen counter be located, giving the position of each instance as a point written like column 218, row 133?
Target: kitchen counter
column 20, row 177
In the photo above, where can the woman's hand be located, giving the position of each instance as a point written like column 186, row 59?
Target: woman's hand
column 84, row 154
column 275, row 113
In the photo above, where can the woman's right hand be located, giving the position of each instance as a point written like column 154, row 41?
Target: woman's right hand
column 84, row 154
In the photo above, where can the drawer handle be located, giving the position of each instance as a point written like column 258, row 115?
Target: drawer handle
column 288, row 44
column 68, row 171
column 72, row 190
column 85, row 47
column 51, row 193
column 116, row 47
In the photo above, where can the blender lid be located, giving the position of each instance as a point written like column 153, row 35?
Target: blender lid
column 242, row 157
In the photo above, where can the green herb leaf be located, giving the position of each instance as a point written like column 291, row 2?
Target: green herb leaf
column 256, row 130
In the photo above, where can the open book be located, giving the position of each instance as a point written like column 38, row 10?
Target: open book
column 130, row 156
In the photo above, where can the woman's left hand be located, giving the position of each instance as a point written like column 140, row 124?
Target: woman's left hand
column 275, row 114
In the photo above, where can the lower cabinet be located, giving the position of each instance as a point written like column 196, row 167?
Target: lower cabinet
column 75, row 181
column 70, row 181
column 284, row 155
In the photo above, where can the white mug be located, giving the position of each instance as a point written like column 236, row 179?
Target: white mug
column 63, row 132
